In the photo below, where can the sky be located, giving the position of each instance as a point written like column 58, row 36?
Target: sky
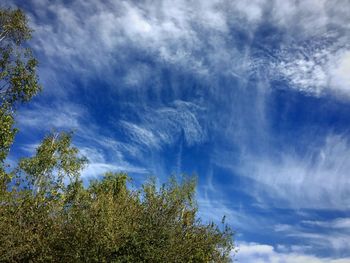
column 252, row 97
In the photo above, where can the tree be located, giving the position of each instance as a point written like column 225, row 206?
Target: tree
column 18, row 78
column 32, row 204
column 48, row 215
column 106, row 222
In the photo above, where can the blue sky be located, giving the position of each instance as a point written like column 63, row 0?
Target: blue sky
column 252, row 96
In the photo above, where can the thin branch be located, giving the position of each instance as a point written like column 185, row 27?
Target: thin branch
column 45, row 171
column 3, row 35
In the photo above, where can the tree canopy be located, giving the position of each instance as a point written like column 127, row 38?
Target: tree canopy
column 47, row 214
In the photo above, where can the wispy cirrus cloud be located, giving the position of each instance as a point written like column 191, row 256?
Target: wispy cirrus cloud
column 175, row 34
column 321, row 236
column 165, row 125
column 264, row 253
column 316, row 180
column 338, row 223
column 59, row 116
column 317, row 68
column 99, row 164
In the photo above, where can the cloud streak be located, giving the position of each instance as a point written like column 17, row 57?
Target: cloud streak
column 263, row 253
column 318, row 180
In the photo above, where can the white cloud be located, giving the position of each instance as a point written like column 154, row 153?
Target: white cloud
column 308, row 17
column 89, row 35
column 252, row 11
column 140, row 135
column 339, row 70
column 29, row 148
column 338, row 223
column 92, row 38
column 317, row 180
column 98, row 165
column 331, row 235
column 263, row 253
column 65, row 115
column 314, row 56
column 164, row 125
column 316, row 68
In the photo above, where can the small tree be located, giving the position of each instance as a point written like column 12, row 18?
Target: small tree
column 18, row 78
column 32, row 205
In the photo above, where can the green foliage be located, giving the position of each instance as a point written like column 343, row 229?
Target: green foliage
column 109, row 222
column 18, row 78
column 14, row 26
column 55, row 160
column 7, row 132
column 48, row 215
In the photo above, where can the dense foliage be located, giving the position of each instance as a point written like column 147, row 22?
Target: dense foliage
column 48, row 215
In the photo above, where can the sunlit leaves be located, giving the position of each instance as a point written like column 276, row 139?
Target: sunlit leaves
column 18, row 78
column 55, row 160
